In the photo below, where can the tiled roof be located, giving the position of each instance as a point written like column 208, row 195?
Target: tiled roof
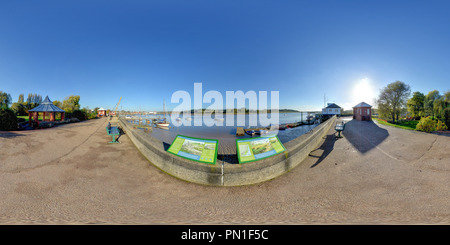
column 362, row 104
column 333, row 105
column 47, row 106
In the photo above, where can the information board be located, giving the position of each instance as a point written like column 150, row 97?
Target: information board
column 197, row 149
column 254, row 149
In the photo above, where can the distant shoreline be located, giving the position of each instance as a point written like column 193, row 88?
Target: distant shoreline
column 235, row 112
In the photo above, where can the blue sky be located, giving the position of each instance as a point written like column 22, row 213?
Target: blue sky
column 144, row 51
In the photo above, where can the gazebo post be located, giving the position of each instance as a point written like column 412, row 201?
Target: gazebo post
column 62, row 116
column 29, row 119
column 36, row 117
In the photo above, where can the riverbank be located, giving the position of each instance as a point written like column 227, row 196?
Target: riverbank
column 225, row 134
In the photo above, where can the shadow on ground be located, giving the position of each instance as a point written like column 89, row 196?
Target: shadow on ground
column 9, row 134
column 364, row 135
column 327, row 147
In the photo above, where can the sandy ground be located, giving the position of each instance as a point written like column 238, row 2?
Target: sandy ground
column 373, row 175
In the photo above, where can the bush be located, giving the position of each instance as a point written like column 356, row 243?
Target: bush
column 426, row 124
column 8, row 119
column 440, row 126
column 91, row 115
column 81, row 115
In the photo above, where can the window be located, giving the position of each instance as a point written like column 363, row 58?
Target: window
column 368, row 111
column 360, row 112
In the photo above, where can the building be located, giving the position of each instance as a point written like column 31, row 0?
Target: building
column 46, row 108
column 332, row 109
column 101, row 112
column 362, row 112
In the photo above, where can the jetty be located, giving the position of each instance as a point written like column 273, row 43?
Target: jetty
column 262, row 130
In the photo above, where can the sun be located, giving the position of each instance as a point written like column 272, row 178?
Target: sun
column 363, row 91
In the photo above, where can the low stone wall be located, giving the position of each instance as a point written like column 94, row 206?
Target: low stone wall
column 225, row 174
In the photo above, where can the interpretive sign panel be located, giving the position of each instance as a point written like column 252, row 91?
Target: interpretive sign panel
column 254, row 149
column 197, row 149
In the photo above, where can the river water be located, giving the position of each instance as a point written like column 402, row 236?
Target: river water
column 226, row 134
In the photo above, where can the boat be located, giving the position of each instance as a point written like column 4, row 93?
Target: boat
column 163, row 122
column 250, row 132
column 253, row 132
column 263, row 132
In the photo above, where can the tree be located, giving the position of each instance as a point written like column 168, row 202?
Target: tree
column 5, row 99
column 19, row 109
column 71, row 103
column 438, row 108
column 33, row 100
column 447, row 97
column 429, row 100
column 58, row 103
column 415, row 104
column 20, row 100
column 393, row 98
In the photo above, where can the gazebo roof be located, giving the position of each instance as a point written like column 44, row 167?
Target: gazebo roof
column 46, row 106
column 362, row 104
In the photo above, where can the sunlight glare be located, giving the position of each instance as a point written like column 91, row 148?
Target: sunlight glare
column 363, row 91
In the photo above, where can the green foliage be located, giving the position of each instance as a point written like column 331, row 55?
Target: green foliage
column 440, row 126
column 405, row 124
column 81, row 115
column 446, row 117
column 426, row 124
column 20, row 100
column 91, row 115
column 19, row 109
column 392, row 99
column 57, row 103
column 8, row 119
column 434, row 106
column 429, row 100
column 415, row 105
column 71, row 103
column 5, row 99
column 33, row 100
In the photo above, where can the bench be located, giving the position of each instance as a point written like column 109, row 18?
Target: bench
column 113, row 132
column 339, row 128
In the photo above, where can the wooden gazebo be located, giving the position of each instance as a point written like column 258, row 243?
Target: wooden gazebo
column 45, row 107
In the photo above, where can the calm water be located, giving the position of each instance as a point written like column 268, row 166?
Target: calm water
column 225, row 134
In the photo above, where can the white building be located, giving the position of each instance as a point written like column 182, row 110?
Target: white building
column 332, row 109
